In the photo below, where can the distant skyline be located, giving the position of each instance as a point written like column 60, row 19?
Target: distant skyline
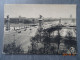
column 34, row 10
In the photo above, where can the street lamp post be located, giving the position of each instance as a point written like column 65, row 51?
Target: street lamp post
column 8, row 23
column 40, row 27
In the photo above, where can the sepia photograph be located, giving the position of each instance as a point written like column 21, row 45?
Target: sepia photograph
column 39, row 29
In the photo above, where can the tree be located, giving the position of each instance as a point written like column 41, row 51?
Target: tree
column 70, row 40
column 12, row 48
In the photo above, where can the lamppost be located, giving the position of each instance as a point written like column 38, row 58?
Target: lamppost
column 8, row 23
column 19, row 21
column 40, row 25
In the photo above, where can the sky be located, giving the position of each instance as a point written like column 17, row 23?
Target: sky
column 34, row 10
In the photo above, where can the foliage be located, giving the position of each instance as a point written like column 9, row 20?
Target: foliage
column 12, row 48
